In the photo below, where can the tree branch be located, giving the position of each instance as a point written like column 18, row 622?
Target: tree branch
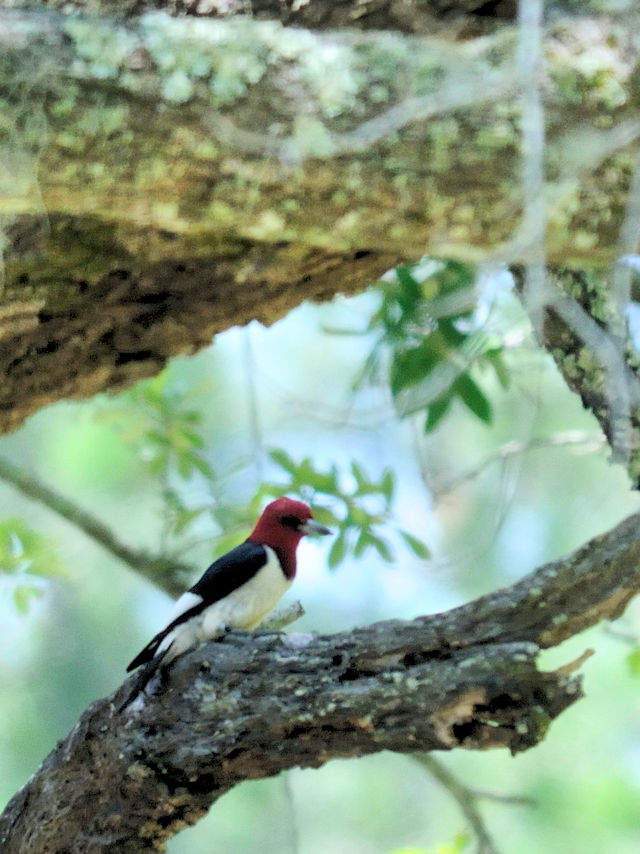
column 261, row 183
column 584, row 329
column 466, row 799
column 257, row 704
column 168, row 573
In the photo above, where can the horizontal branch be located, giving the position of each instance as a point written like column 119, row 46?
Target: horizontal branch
column 454, row 19
column 248, row 178
column 256, row 704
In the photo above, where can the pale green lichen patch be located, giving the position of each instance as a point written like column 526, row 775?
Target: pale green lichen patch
column 634, row 463
column 590, row 367
column 177, row 87
column 589, row 69
column 311, row 138
column 105, row 48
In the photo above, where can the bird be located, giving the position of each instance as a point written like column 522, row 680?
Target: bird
column 237, row 591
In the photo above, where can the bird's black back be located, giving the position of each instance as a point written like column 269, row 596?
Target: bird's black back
column 225, row 575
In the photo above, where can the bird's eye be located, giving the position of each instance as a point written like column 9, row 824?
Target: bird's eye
column 290, row 521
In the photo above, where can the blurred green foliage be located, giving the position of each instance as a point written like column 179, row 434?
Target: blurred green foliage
column 26, row 557
column 633, row 662
column 362, row 514
column 165, row 429
column 425, row 323
column 159, row 421
column 457, row 846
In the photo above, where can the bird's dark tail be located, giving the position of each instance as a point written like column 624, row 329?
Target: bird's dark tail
column 142, row 679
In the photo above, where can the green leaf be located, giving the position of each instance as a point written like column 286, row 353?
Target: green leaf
column 416, row 545
column 203, row 467
column 437, row 410
column 326, row 517
column 382, row 547
column 22, row 548
column 155, row 437
column 194, row 439
column 191, row 416
column 305, row 473
column 185, row 517
column 410, row 287
column 22, row 596
column 158, row 464
column 387, row 485
column 326, row 482
column 633, row 662
column 283, row 459
column 452, row 334
column 362, row 543
column 475, row 399
column 454, row 276
column 361, row 478
column 413, row 364
column 185, row 464
column 337, row 551
column 494, row 357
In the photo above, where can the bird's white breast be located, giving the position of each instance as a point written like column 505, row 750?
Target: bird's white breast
column 243, row 608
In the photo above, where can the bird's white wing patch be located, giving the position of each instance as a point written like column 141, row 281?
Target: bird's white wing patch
column 185, row 602
column 243, row 608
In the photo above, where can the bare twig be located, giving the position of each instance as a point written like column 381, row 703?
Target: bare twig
column 467, row 796
column 534, row 217
column 466, row 799
column 284, row 616
column 572, row 438
column 502, row 797
column 165, row 572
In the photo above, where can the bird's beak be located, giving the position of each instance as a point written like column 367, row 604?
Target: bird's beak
column 314, row 528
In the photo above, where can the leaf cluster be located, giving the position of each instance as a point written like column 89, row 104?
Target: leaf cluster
column 358, row 507
column 425, row 323
column 163, row 424
column 27, row 559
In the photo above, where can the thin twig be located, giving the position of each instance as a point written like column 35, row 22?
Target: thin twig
column 502, row 797
column 165, row 572
column 534, row 213
column 576, row 438
column 282, row 617
column 466, row 799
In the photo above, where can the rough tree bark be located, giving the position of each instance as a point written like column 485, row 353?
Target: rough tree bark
column 254, row 705
column 167, row 178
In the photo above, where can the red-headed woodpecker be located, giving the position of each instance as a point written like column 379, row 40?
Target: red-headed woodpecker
column 239, row 588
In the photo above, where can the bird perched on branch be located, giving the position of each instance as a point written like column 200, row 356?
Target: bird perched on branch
column 237, row 590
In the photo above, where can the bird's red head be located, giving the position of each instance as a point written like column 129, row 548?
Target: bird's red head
column 282, row 525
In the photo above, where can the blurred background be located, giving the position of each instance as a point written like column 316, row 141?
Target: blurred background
column 473, row 503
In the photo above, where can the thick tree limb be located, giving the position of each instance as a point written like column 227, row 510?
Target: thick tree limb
column 463, row 18
column 167, row 178
column 255, row 705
